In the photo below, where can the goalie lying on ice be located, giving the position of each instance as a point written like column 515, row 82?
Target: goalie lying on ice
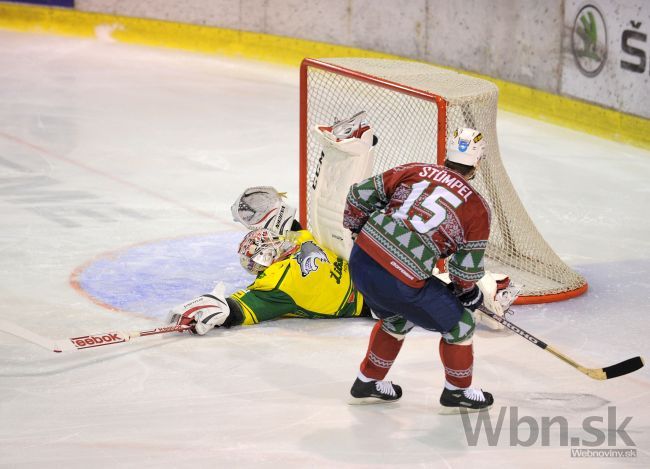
column 295, row 277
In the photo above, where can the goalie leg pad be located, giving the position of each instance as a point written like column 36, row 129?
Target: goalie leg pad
column 347, row 157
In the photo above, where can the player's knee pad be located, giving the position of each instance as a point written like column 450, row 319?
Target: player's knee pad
column 462, row 332
column 396, row 326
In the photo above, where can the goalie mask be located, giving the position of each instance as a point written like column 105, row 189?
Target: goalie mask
column 263, row 207
column 261, row 248
column 466, row 147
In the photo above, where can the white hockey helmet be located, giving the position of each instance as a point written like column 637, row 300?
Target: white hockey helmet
column 261, row 248
column 466, row 147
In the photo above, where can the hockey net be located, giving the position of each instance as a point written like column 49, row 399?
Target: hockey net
column 413, row 108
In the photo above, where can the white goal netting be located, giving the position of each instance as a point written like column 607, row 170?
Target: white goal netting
column 413, row 108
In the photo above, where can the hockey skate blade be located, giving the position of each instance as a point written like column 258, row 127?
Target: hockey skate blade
column 369, row 401
column 458, row 410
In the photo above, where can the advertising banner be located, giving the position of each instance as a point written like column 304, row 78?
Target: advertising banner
column 606, row 57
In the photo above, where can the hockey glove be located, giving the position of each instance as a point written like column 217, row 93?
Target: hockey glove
column 202, row 313
column 471, row 299
column 263, row 207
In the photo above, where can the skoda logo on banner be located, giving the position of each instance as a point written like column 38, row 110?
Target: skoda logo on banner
column 589, row 40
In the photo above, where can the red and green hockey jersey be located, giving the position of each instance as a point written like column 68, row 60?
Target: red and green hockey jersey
column 413, row 215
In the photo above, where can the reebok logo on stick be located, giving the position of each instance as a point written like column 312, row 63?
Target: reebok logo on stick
column 89, row 341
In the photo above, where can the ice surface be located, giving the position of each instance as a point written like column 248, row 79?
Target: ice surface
column 118, row 165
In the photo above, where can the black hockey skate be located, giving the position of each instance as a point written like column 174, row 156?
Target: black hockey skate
column 469, row 400
column 374, row 392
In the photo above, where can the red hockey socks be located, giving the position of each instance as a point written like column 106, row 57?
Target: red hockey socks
column 458, row 361
column 382, row 351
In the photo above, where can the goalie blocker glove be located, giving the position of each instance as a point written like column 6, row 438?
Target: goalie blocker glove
column 202, row 313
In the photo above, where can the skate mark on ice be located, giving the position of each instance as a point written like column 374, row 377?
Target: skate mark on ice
column 561, row 401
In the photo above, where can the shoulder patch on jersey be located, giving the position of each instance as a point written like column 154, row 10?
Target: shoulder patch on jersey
column 307, row 256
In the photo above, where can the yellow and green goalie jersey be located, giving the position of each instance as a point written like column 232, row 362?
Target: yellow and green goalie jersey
column 312, row 283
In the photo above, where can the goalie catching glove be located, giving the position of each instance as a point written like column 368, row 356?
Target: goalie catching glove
column 202, row 313
column 497, row 294
column 262, row 207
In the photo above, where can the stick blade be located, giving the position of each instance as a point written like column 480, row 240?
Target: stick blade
column 623, row 368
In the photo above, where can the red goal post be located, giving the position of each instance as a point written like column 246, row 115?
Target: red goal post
column 413, row 108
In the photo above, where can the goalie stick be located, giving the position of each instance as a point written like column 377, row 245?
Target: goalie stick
column 609, row 372
column 85, row 341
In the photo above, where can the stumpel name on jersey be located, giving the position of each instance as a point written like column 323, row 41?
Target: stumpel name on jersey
column 440, row 175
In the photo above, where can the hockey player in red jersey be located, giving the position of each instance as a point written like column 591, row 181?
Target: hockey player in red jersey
column 405, row 220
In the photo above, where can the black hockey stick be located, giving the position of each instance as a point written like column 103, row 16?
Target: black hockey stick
column 609, row 372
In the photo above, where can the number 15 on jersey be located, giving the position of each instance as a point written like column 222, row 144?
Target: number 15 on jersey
column 430, row 204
